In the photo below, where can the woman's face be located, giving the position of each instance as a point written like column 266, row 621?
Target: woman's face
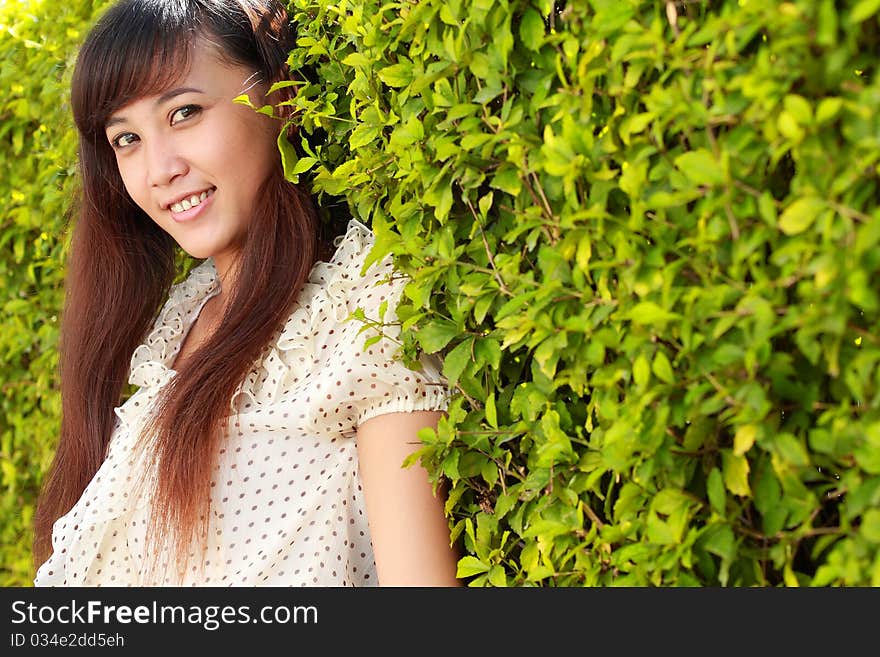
column 193, row 160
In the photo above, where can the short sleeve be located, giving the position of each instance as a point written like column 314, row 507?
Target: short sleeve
column 377, row 378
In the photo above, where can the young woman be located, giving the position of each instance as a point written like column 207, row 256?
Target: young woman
column 264, row 444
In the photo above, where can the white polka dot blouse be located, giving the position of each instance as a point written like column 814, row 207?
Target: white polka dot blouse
column 286, row 501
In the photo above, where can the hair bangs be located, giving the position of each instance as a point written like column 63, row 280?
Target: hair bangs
column 137, row 49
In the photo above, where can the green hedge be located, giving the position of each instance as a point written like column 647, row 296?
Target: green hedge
column 642, row 235
column 37, row 147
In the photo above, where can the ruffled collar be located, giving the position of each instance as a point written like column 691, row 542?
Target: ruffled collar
column 326, row 291
column 152, row 359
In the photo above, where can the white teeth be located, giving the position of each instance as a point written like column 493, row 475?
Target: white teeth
column 191, row 202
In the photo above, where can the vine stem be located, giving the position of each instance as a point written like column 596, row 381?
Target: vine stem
column 501, row 283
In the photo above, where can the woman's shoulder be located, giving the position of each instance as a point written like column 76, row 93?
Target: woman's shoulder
column 355, row 274
column 352, row 248
column 339, row 349
column 325, row 322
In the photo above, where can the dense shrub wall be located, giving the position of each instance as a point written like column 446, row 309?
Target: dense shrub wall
column 644, row 237
column 37, row 148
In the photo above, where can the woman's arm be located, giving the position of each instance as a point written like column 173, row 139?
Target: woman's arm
column 409, row 530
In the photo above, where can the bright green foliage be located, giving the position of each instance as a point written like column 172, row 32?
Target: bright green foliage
column 37, row 149
column 644, row 237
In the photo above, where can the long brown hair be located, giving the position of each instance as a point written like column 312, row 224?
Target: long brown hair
column 121, row 265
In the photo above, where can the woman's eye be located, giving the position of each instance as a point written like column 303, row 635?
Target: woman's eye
column 183, row 113
column 123, row 140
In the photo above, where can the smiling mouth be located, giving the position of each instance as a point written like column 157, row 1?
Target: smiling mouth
column 191, row 202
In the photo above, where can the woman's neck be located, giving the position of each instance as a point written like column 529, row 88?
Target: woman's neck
column 227, row 275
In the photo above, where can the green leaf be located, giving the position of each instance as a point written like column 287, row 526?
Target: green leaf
column 303, row 164
column 649, row 313
column 870, row 528
column 721, row 541
column 662, row 368
column 505, row 502
column 491, row 412
column 715, row 491
column 861, row 291
column 482, row 306
column 449, row 467
column 554, row 445
column 697, row 433
column 507, row 180
column 489, row 472
column 487, row 93
column 867, row 455
column 822, row 441
column 457, row 360
column 773, row 519
column 864, row 10
column 474, row 140
column 584, row 252
column 397, row 75
column 530, row 556
column 444, row 204
column 497, row 576
column 767, row 490
column 641, row 371
column 244, row 99
column 768, row 493
column 791, row 450
column 369, row 342
column 659, row 531
column 736, row 473
column 700, row 167
column 362, row 135
column 289, row 158
column 828, row 109
column 800, row 215
column 485, row 204
column 488, row 351
column 531, row 29
column 767, row 208
column 461, row 110
column 440, row 196
column 469, row 566
column 408, row 133
column 357, row 59
column 799, row 108
column 436, row 334
column 744, row 439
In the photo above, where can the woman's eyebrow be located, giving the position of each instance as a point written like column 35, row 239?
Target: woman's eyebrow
column 164, row 98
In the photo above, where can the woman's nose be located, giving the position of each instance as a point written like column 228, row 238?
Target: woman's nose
column 164, row 163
